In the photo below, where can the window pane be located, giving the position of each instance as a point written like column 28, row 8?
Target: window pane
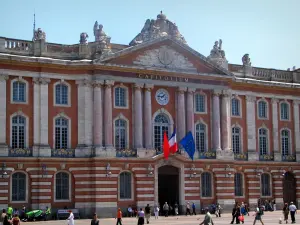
column 235, row 107
column 125, row 185
column 284, row 111
column 200, row 103
column 263, row 141
column 120, row 134
column 265, row 185
column 19, row 92
column 61, row 133
column 236, row 140
column 120, row 97
column 161, row 125
column 201, row 137
column 18, row 132
column 285, row 143
column 238, row 184
column 206, row 183
column 262, row 109
column 18, row 187
column 62, row 186
column 61, row 93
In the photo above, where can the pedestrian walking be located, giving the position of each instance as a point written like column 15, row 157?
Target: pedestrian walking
column 2, row 216
column 258, row 215
column 207, row 218
column 293, row 210
column 141, row 217
column 156, row 211
column 147, row 213
column 166, row 209
column 286, row 212
column 194, row 208
column 176, row 209
column 119, row 217
column 95, row 220
column 71, row 218
column 188, row 209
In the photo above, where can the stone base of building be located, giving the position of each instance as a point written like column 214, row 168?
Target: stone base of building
column 252, row 156
column 277, row 157
column 225, row 154
column 83, row 151
column 3, row 150
column 41, row 151
column 145, row 153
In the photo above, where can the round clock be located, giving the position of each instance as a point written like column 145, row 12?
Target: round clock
column 162, row 96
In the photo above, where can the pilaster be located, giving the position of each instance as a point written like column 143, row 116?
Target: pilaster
column 181, row 128
column 297, row 129
column 277, row 155
column 251, row 128
column 148, row 116
column 138, row 116
column 216, row 121
column 190, row 121
column 3, row 144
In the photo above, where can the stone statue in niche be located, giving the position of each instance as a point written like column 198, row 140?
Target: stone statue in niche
column 83, row 38
column 246, row 60
column 39, row 35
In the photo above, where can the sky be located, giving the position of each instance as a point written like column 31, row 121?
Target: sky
column 268, row 30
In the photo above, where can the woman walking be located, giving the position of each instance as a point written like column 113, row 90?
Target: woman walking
column 141, row 217
column 286, row 212
column 156, row 211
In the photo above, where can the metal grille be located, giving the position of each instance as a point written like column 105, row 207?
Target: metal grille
column 235, row 107
column 19, row 91
column 263, row 141
column 161, row 125
column 125, row 185
column 18, row 187
column 236, row 140
column 201, row 137
column 120, row 97
column 206, row 184
column 200, row 103
column 61, row 133
column 62, row 186
column 284, row 111
column 238, row 184
column 262, row 109
column 285, row 142
column 120, row 134
column 61, row 94
column 18, row 132
column 265, row 185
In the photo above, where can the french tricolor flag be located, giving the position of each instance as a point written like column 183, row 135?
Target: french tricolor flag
column 170, row 146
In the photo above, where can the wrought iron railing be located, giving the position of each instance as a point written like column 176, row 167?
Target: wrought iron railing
column 126, row 153
column 241, row 156
column 289, row 158
column 20, row 152
column 63, row 153
column 266, row 157
column 207, row 155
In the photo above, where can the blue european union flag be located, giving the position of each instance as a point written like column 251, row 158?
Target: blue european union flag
column 188, row 144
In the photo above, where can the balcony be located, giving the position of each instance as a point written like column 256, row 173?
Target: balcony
column 63, row 153
column 207, row 155
column 20, row 152
column 126, row 153
column 289, row 158
column 241, row 156
column 266, row 157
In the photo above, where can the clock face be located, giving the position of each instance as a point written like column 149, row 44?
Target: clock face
column 162, row 97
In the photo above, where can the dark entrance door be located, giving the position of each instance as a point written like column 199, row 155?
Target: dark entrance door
column 168, row 185
column 289, row 188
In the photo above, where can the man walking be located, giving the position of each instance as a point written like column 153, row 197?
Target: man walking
column 147, row 213
column 194, row 208
column 293, row 210
column 119, row 217
column 207, row 219
column 166, row 209
column 188, row 209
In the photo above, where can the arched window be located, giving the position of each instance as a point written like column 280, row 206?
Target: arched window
column 19, row 91
column 125, row 185
column 161, row 125
column 284, row 111
column 265, row 185
column 262, row 110
column 61, row 94
column 238, row 184
column 201, row 137
column 19, row 187
column 263, row 141
column 120, row 134
column 206, row 185
column 61, row 133
column 18, row 132
column 120, row 97
column 236, row 140
column 62, row 186
column 285, row 142
column 200, row 103
column 235, row 107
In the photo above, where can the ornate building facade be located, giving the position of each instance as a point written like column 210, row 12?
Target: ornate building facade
column 81, row 126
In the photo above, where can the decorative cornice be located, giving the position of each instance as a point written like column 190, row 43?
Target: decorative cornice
column 191, row 90
column 274, row 100
column 138, row 86
column 181, row 90
column 3, row 78
column 250, row 98
column 98, row 83
column 109, row 83
column 41, row 80
column 217, row 93
column 226, row 93
column 84, row 83
column 149, row 87
column 296, row 102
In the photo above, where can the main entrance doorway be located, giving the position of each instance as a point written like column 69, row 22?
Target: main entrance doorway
column 168, row 185
column 289, row 188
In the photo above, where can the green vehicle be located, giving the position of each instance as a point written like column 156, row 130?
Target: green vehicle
column 37, row 214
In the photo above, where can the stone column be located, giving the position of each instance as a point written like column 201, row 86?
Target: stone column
column 138, row 117
column 148, row 116
column 85, row 119
column 108, row 124
column 297, row 129
column 3, row 144
column 216, row 121
column 226, row 125
column 251, row 128
column 190, row 120
column 181, row 128
column 98, row 117
column 277, row 155
column 41, row 146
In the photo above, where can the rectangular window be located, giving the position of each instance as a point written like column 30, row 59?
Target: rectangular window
column 206, row 185
column 200, row 141
column 235, row 107
column 19, row 92
column 262, row 109
column 284, row 111
column 238, row 184
column 265, row 185
column 120, row 97
column 125, row 185
column 200, row 103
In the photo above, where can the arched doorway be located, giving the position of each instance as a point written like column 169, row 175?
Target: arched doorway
column 289, row 187
column 168, row 185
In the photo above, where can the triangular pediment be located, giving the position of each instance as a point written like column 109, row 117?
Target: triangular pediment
column 164, row 54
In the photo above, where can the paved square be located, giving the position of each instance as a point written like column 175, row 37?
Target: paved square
column 268, row 218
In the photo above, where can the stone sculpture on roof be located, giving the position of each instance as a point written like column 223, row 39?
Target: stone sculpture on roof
column 39, row 35
column 83, row 38
column 246, row 60
column 102, row 40
column 160, row 27
column 217, row 55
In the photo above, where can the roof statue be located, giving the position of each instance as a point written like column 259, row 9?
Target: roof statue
column 158, row 28
column 83, row 38
column 246, row 60
column 102, row 41
column 39, row 35
column 217, row 55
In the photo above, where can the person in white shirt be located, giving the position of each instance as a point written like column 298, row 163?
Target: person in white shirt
column 71, row 218
column 293, row 210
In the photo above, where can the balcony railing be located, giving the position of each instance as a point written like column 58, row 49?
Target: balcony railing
column 126, row 153
column 63, row 153
column 241, row 156
column 207, row 155
column 20, row 152
column 266, row 157
column 289, row 158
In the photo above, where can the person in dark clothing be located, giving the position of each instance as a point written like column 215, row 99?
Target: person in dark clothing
column 147, row 213
column 194, row 208
column 95, row 220
column 233, row 214
column 237, row 215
